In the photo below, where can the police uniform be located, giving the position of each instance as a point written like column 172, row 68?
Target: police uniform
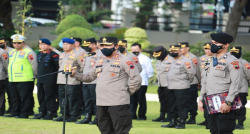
column 180, row 74
column 222, row 75
column 47, row 87
column 4, row 60
column 163, row 62
column 88, row 89
column 79, row 50
column 131, row 56
column 72, row 107
column 193, row 86
column 113, row 90
column 243, row 88
column 21, row 69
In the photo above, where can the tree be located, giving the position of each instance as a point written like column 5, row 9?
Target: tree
column 61, row 11
column 24, row 8
column 235, row 17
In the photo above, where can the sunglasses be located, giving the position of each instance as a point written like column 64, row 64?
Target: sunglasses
column 17, row 42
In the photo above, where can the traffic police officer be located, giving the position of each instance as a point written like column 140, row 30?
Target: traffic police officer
column 194, row 85
column 88, row 89
column 243, row 90
column 180, row 74
column 47, row 63
column 66, row 58
column 222, row 75
column 123, row 50
column 112, row 88
column 4, row 60
column 21, row 69
column 163, row 62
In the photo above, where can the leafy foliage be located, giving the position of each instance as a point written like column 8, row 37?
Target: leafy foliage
column 61, row 11
column 197, row 48
column 74, row 32
column 72, row 21
column 119, row 33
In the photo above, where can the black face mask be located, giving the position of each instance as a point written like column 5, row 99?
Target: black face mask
column 88, row 49
column 215, row 49
column 2, row 46
column 174, row 54
column 136, row 53
column 162, row 56
column 108, row 52
column 121, row 49
column 237, row 55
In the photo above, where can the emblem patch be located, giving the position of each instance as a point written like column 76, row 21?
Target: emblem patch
column 130, row 64
column 5, row 56
column 31, row 57
column 247, row 66
column 135, row 59
column 195, row 61
column 188, row 65
column 235, row 64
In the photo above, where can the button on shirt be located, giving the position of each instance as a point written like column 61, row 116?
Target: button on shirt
column 147, row 68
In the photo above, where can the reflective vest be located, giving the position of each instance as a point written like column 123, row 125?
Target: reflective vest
column 19, row 69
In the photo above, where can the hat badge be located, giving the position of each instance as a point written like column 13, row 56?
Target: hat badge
column 104, row 40
column 120, row 41
column 179, row 43
column 40, row 41
column 16, row 37
column 208, row 45
column 173, row 46
column 71, row 37
column 84, row 42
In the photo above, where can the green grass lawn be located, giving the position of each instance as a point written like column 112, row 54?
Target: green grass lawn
column 27, row 126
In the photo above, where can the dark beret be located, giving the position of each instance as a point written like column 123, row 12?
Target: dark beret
column 77, row 39
column 222, row 38
column 68, row 40
column 44, row 40
column 158, row 49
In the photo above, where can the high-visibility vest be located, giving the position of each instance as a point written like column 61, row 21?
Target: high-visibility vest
column 19, row 69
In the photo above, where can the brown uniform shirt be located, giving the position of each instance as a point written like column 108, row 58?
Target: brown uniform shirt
column 63, row 61
column 4, row 61
column 246, row 76
column 162, row 69
column 133, row 58
column 80, row 50
column 224, row 77
column 196, row 65
column 112, row 87
column 181, row 73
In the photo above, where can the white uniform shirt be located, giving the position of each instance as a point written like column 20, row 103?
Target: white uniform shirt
column 147, row 68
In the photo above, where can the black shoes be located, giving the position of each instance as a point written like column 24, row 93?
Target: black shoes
column 94, row 122
column 161, row 117
column 21, row 117
column 86, row 120
column 39, row 116
column 72, row 119
column 241, row 127
column 191, row 120
column 59, row 119
column 202, row 123
column 9, row 115
column 172, row 123
column 49, row 116
column 181, row 125
column 8, row 111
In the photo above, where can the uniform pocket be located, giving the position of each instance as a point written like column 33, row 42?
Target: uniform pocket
column 124, row 118
column 176, row 69
column 220, row 71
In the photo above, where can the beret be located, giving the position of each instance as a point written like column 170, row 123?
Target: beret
column 222, row 38
column 44, row 40
column 68, row 40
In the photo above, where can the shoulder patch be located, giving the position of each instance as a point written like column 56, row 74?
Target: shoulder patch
column 5, row 56
column 235, row 64
column 135, row 59
column 188, row 65
column 247, row 66
column 130, row 64
column 30, row 57
column 195, row 61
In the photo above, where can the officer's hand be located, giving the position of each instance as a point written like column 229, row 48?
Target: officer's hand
column 73, row 71
column 201, row 106
column 224, row 108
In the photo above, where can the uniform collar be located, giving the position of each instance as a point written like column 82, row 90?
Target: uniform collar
column 224, row 56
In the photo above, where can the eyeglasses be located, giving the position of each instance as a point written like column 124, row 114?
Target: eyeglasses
column 17, row 42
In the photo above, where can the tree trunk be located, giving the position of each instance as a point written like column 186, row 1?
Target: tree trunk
column 235, row 17
column 5, row 15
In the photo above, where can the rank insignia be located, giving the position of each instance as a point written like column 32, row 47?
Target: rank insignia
column 247, row 66
column 235, row 64
column 203, row 59
column 195, row 61
column 166, row 58
column 31, row 57
column 5, row 56
column 167, row 69
column 98, row 75
column 188, row 65
column 135, row 59
column 112, row 74
column 222, row 60
column 202, row 66
column 116, row 63
column 130, row 64
column 100, row 60
column 170, row 61
column 116, row 56
column 92, row 63
column 178, row 61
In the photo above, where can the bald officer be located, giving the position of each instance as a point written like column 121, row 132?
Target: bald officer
column 112, row 90
column 180, row 74
column 4, row 61
column 243, row 90
column 222, row 75
column 22, row 68
column 163, row 62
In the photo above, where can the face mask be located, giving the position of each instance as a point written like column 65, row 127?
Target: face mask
column 121, row 49
column 2, row 46
column 174, row 54
column 88, row 49
column 136, row 53
column 108, row 52
column 237, row 55
column 162, row 56
column 215, row 49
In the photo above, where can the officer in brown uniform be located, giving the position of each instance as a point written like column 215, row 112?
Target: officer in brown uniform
column 180, row 74
column 163, row 62
column 88, row 89
column 243, row 90
column 222, row 75
column 194, row 85
column 78, row 48
column 112, row 88
column 202, row 61
column 4, row 46
column 123, row 50
column 72, row 107
column 4, row 61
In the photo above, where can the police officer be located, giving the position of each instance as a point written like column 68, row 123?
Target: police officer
column 4, row 46
column 123, row 50
column 112, row 88
column 78, row 42
column 47, row 61
column 194, row 85
column 180, row 74
column 243, row 90
column 66, row 58
column 222, row 75
column 88, row 89
column 202, row 61
column 163, row 62
column 21, row 69
column 4, row 60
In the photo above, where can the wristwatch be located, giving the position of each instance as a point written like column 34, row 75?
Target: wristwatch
column 229, row 103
